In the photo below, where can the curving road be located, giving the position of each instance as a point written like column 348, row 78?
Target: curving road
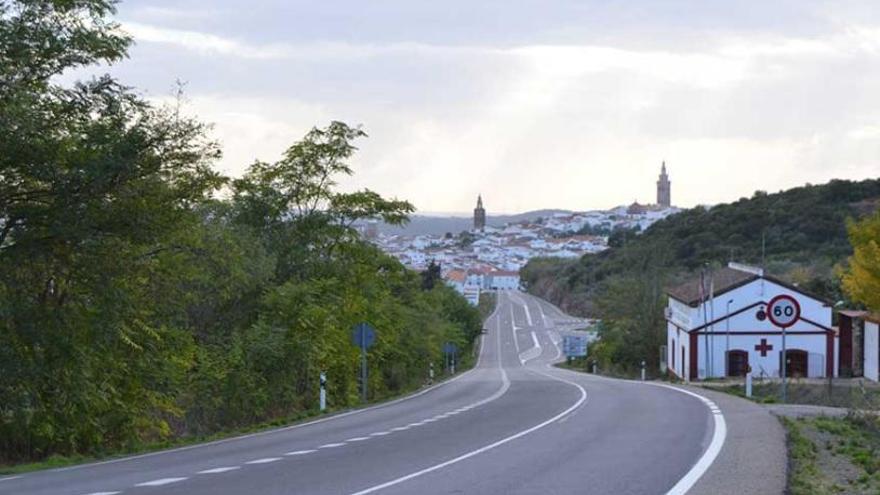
column 512, row 425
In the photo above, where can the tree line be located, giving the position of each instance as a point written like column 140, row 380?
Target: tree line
column 146, row 298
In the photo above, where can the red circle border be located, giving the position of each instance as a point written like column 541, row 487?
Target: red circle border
column 778, row 298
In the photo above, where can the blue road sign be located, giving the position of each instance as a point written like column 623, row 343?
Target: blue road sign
column 574, row 345
column 449, row 348
column 363, row 335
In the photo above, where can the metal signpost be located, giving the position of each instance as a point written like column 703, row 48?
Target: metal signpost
column 783, row 311
column 363, row 335
column 449, row 350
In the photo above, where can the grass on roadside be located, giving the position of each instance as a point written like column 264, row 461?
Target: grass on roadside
column 846, row 396
column 834, row 455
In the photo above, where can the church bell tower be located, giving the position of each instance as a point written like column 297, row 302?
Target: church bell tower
column 479, row 214
column 664, row 197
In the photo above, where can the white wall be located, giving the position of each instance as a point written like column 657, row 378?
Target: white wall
column 747, row 324
column 681, row 339
column 872, row 351
column 769, row 364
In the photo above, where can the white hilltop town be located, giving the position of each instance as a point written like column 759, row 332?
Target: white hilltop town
column 489, row 257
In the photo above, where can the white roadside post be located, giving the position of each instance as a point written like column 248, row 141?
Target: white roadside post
column 323, row 397
column 749, row 382
column 643, row 371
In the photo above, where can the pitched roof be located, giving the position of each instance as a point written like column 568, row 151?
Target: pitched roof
column 456, row 275
column 725, row 280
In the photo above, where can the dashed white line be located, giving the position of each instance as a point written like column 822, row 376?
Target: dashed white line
column 331, row 445
column 380, row 433
column 491, row 446
column 265, row 460
column 300, row 452
column 161, row 481
column 400, row 428
column 219, row 470
column 10, row 478
column 103, row 493
column 415, row 424
column 357, row 439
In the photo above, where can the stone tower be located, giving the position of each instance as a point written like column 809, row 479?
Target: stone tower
column 479, row 215
column 664, row 197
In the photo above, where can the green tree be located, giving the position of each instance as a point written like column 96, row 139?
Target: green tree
column 861, row 281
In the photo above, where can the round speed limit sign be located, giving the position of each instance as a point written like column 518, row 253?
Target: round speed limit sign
column 783, row 311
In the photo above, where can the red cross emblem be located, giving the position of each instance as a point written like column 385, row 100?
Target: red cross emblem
column 763, row 347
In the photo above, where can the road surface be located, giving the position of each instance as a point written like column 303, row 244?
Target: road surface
column 512, row 425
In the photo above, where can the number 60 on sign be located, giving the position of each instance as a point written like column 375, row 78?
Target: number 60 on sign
column 783, row 311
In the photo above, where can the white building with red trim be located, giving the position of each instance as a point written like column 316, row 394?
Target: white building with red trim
column 717, row 326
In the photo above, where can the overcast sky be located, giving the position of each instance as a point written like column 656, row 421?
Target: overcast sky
column 534, row 104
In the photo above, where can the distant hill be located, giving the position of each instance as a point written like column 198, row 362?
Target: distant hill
column 439, row 225
column 804, row 230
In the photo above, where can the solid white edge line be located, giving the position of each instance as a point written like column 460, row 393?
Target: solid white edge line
column 8, row 478
column 103, row 493
column 485, row 448
column 705, row 462
column 331, row 445
column 719, row 434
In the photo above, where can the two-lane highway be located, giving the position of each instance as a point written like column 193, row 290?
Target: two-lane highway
column 512, row 425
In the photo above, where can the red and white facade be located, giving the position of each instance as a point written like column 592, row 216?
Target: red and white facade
column 725, row 330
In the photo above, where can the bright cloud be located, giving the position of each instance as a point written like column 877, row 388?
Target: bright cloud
column 532, row 122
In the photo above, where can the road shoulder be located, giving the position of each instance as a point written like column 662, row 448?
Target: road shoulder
column 754, row 459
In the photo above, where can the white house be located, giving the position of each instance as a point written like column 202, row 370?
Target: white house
column 722, row 328
column 503, row 280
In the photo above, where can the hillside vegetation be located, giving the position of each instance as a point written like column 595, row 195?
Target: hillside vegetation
column 803, row 231
column 137, row 308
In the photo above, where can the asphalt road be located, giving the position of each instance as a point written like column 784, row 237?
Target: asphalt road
column 512, row 425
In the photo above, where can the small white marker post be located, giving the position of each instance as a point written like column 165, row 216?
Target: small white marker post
column 323, row 398
column 643, row 371
column 453, row 362
column 431, row 373
column 749, row 383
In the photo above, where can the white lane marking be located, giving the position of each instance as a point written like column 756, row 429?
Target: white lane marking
column 10, row 478
column 420, row 423
column 400, row 428
column 485, row 448
column 705, row 461
column 265, row 460
column 543, row 316
column 528, row 314
column 219, row 470
column 300, row 452
column 380, row 433
column 331, row 445
column 100, row 493
column 429, row 420
column 718, row 436
column 357, row 439
column 160, row 482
